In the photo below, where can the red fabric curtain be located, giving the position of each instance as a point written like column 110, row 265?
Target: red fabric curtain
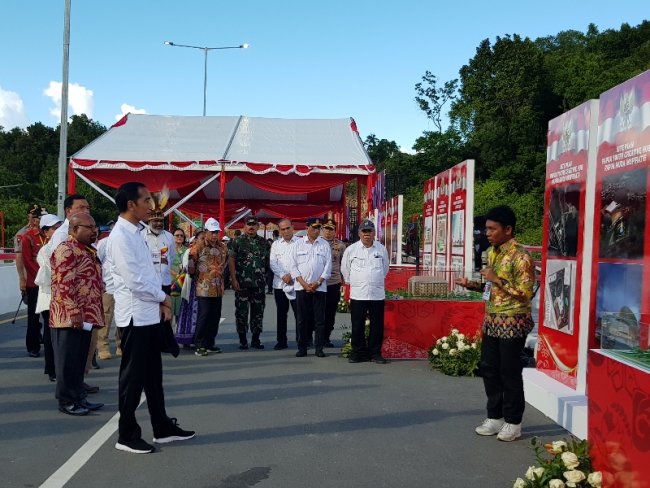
column 294, row 184
column 155, row 180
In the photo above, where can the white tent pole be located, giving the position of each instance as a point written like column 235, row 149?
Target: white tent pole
column 240, row 216
column 187, row 197
column 93, row 185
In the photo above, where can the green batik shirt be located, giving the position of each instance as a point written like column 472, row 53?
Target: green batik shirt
column 251, row 258
column 512, row 263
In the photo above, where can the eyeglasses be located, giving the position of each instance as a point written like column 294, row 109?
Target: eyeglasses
column 91, row 227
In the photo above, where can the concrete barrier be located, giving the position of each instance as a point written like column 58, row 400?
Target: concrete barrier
column 9, row 291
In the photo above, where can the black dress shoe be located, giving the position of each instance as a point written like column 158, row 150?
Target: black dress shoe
column 257, row 345
column 34, row 354
column 301, row 353
column 52, row 378
column 320, row 354
column 357, row 359
column 279, row 346
column 90, row 389
column 90, row 406
column 243, row 346
column 73, row 409
column 379, row 360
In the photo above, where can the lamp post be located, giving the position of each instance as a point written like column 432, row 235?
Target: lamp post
column 206, row 50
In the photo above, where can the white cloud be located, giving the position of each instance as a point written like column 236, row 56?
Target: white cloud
column 12, row 110
column 402, row 149
column 129, row 109
column 80, row 99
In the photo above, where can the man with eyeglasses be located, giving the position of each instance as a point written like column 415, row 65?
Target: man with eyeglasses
column 365, row 266
column 247, row 259
column 282, row 280
column 75, row 310
column 310, row 263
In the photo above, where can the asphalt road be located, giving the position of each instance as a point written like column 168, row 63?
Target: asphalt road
column 263, row 419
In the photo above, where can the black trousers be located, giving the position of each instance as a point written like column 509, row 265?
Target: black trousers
column 282, row 304
column 33, row 336
column 331, row 304
column 207, row 321
column 48, row 350
column 359, row 310
column 311, row 316
column 70, row 355
column 501, row 368
column 140, row 369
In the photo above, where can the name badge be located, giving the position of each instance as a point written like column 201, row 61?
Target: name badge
column 487, row 290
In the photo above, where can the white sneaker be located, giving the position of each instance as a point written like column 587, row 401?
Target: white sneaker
column 509, row 432
column 490, row 427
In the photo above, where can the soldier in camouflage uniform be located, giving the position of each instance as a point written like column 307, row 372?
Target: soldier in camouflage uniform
column 248, row 260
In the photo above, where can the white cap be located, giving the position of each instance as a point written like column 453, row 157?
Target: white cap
column 48, row 220
column 212, row 225
column 609, row 208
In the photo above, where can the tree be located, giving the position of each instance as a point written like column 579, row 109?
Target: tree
column 431, row 98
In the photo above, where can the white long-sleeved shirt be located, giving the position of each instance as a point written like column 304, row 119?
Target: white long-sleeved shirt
column 44, row 278
column 138, row 289
column 278, row 260
column 365, row 269
column 311, row 261
column 109, row 287
column 157, row 243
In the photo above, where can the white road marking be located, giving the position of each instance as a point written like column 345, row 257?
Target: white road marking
column 62, row 475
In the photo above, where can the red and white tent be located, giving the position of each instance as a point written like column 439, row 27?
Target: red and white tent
column 228, row 165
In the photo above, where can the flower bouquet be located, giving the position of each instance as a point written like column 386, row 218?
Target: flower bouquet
column 456, row 354
column 561, row 464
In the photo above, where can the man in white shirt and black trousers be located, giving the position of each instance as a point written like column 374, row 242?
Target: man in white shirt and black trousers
column 365, row 266
column 140, row 305
column 310, row 265
column 281, row 278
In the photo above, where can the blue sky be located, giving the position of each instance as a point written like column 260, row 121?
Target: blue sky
column 306, row 59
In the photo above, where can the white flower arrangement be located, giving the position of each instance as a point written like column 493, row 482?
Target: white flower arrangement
column 456, row 354
column 568, row 467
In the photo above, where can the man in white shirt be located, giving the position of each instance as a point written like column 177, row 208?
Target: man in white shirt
column 103, row 347
column 282, row 278
column 310, row 264
column 72, row 205
column 365, row 266
column 162, row 247
column 140, row 305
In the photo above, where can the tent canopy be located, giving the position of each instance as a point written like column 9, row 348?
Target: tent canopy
column 265, row 164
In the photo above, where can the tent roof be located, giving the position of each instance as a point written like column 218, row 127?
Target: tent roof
column 250, row 144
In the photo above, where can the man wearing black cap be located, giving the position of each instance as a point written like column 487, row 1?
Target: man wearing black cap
column 365, row 266
column 334, row 282
column 310, row 263
column 248, row 260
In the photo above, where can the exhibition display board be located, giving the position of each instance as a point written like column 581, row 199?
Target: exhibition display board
column 620, row 293
column 391, row 228
column 563, row 250
column 448, row 222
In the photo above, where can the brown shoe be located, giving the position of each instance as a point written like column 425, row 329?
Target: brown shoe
column 118, row 353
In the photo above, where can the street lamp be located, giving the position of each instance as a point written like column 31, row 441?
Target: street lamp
column 205, row 66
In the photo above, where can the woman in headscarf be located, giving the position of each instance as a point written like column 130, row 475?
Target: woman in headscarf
column 186, row 322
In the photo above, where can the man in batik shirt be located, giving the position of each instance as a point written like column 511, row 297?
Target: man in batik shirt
column 206, row 263
column 75, row 309
column 248, row 260
column 509, row 279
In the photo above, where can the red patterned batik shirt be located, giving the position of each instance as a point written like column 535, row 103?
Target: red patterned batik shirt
column 77, row 285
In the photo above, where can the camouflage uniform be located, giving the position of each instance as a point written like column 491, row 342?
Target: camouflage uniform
column 251, row 256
